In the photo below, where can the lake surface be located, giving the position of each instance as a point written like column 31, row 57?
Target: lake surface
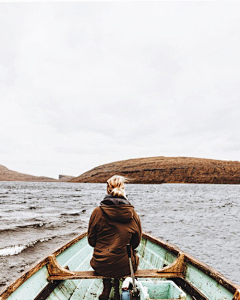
column 201, row 219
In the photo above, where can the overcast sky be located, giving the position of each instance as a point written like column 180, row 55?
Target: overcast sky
column 83, row 84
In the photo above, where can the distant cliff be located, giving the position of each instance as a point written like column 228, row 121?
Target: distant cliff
column 167, row 170
column 65, row 178
column 9, row 175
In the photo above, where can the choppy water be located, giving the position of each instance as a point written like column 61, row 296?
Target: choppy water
column 202, row 220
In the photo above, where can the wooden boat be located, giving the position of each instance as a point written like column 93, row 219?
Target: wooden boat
column 66, row 274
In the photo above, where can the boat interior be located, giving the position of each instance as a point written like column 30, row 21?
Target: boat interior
column 90, row 287
column 164, row 273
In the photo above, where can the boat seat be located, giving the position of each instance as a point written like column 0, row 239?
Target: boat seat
column 57, row 272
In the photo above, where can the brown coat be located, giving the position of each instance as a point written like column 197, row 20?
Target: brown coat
column 111, row 228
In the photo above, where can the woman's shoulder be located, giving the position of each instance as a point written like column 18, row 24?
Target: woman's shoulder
column 136, row 216
column 96, row 210
column 96, row 213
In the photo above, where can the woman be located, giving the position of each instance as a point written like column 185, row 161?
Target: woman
column 112, row 226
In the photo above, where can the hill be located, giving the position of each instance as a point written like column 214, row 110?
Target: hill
column 9, row 175
column 65, row 178
column 167, row 170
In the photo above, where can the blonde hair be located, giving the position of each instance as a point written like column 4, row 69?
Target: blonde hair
column 115, row 186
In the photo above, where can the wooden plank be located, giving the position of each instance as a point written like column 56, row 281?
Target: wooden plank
column 237, row 295
column 76, row 275
column 57, row 272
column 93, row 275
column 156, row 274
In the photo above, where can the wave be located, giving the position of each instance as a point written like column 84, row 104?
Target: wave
column 36, row 225
column 32, row 225
column 7, row 230
column 71, row 214
column 16, row 249
column 10, row 228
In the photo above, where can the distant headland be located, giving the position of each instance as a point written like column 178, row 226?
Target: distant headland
column 149, row 170
column 9, row 175
column 162, row 169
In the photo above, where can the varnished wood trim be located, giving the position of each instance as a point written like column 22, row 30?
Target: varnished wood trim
column 57, row 272
column 54, row 268
column 237, row 295
column 92, row 275
column 178, row 266
column 75, row 275
column 221, row 279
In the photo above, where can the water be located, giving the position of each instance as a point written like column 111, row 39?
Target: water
column 36, row 218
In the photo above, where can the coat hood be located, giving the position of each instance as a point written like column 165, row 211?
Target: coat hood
column 117, row 209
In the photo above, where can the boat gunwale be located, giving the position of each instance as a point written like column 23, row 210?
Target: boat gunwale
column 206, row 269
column 221, row 279
column 12, row 286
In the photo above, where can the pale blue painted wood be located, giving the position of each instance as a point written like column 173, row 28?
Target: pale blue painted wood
column 141, row 247
column 75, row 296
column 68, row 257
column 155, row 256
column 65, row 290
column 208, row 286
column 80, row 261
column 160, row 290
column 81, row 289
column 75, row 254
column 84, row 289
column 167, row 256
column 175, row 292
column 31, row 288
column 92, row 293
column 78, row 256
column 84, row 264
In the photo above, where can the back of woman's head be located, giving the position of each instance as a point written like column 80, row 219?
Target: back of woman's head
column 115, row 186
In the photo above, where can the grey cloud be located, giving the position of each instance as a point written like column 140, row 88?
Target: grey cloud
column 113, row 80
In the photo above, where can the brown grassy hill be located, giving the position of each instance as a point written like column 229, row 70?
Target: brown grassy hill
column 167, row 170
column 9, row 175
